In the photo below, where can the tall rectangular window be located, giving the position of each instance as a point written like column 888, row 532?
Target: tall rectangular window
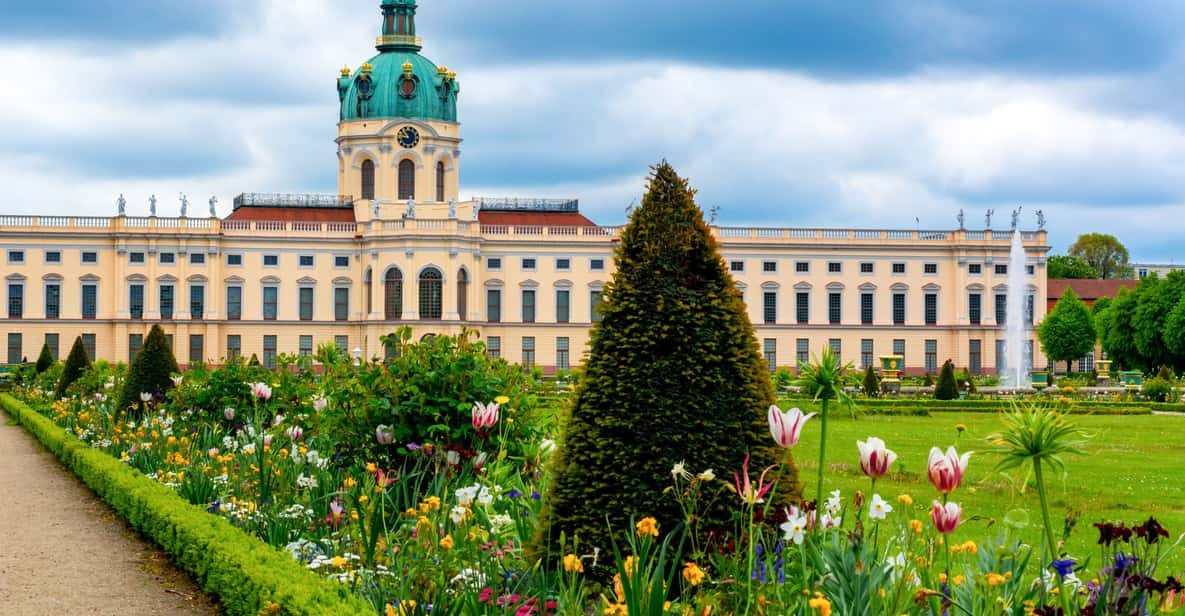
column 197, row 301
column 866, row 308
column 51, row 341
column 769, row 349
column 975, row 308
column 802, row 307
column 90, row 301
column 53, row 301
column 197, row 349
column 770, row 306
column 136, row 301
column 898, row 309
column 494, row 305
column 529, row 351
column 135, row 342
column 234, row 346
column 563, row 305
column 528, row 305
column 306, row 345
column 234, row 303
column 16, row 301
column 834, row 307
column 494, row 346
column 594, row 305
column 341, row 304
column 88, row 343
column 1001, row 308
column 342, row 343
column 931, row 309
column 931, row 356
column 837, row 349
column 1086, row 363
column 899, row 350
column 15, row 348
column 269, row 351
column 1029, row 311
column 802, row 352
column 866, row 353
column 270, row 297
column 305, row 302
column 166, row 301
column 561, row 353
column 975, row 350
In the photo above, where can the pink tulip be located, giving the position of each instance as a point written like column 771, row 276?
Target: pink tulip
column 320, row 403
column 875, row 459
column 786, row 426
column 384, row 435
column 261, row 391
column 485, row 415
column 946, row 470
column 228, row 413
column 294, row 433
column 946, row 517
column 267, row 440
column 749, row 493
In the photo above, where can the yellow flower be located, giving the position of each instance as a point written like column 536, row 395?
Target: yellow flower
column 616, row 609
column 362, row 499
column 502, row 399
column 819, row 602
column 433, row 503
column 338, row 562
column 905, row 499
column 693, row 574
column 353, row 515
column 447, row 542
column 349, row 482
column 959, row 580
column 630, row 565
column 961, row 427
column 970, row 547
column 647, row 526
column 370, row 467
column 916, row 526
column 995, row 579
column 572, row 564
column 942, row 578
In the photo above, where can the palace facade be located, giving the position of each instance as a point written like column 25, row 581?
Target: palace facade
column 396, row 246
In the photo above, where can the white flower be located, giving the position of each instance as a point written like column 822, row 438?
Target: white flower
column 458, row 514
column 833, row 504
column 484, row 497
column 794, row 527
column 249, row 449
column 467, row 495
column 261, row 391
column 319, row 403
column 546, row 446
column 878, row 508
column 145, row 396
column 500, row 521
column 175, row 379
column 895, row 566
column 707, row 475
column 679, row 471
column 471, row 578
column 306, row 481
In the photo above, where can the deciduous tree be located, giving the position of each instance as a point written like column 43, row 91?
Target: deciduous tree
column 1066, row 266
column 1068, row 332
column 1103, row 252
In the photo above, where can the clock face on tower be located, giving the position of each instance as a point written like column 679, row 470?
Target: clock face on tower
column 408, row 137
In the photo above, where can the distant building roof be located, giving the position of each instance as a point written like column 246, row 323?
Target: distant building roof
column 1087, row 289
column 294, row 214
column 541, row 219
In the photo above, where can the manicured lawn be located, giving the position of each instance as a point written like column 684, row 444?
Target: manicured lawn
column 1133, row 468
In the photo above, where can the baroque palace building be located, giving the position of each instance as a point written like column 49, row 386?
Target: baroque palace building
column 284, row 273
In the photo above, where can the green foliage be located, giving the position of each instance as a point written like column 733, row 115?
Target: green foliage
column 783, row 377
column 947, row 387
column 1104, row 253
column 45, row 359
column 1066, row 266
column 243, row 572
column 1037, row 433
column 151, row 370
column 76, row 363
column 928, row 381
column 1116, row 330
column 872, row 384
column 1158, row 389
column 674, row 374
column 1142, row 328
column 1068, row 332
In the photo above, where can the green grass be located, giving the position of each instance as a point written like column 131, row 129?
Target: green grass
column 1132, row 469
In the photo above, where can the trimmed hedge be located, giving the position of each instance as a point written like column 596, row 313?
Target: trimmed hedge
column 924, row 406
column 242, row 571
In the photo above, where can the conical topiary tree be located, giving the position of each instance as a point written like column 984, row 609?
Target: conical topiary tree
column 674, row 375
column 151, row 369
column 77, row 362
column 45, row 359
column 872, row 384
column 946, row 388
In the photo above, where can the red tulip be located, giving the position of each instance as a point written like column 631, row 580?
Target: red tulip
column 875, row 458
column 946, row 517
column 946, row 470
column 786, row 426
column 485, row 415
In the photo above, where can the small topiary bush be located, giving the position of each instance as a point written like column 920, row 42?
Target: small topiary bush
column 45, row 359
column 946, row 388
column 76, row 364
column 872, row 384
column 151, row 370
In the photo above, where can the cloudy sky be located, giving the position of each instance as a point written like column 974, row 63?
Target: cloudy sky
column 782, row 113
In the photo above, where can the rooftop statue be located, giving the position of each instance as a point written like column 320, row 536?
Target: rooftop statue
column 213, row 206
column 152, row 205
column 121, row 204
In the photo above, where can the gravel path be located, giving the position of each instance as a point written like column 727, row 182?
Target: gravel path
column 64, row 551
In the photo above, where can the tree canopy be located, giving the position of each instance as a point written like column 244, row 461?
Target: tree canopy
column 1068, row 332
column 1142, row 327
column 1066, row 266
column 1103, row 252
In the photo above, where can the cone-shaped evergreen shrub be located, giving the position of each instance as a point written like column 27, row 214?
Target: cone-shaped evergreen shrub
column 76, row 363
column 150, row 370
column 673, row 375
column 946, row 388
column 872, row 384
column 45, row 359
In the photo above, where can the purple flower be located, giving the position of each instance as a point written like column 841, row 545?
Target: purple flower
column 1123, row 563
column 535, row 495
column 514, row 494
column 413, row 447
column 1063, row 567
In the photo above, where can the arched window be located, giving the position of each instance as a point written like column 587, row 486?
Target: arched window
column 462, row 293
column 368, row 179
column 440, row 181
column 369, row 291
column 407, row 179
column 431, row 293
column 393, row 295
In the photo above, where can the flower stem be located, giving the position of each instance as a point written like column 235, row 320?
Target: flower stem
column 1040, row 479
column 822, row 451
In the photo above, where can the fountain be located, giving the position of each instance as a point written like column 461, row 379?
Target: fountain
column 1015, row 358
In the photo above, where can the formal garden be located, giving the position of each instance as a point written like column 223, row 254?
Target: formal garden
column 671, row 475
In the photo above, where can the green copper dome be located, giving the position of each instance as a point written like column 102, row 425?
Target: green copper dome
column 398, row 82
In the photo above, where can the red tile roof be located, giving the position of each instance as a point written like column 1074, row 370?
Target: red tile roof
column 1087, row 289
column 294, row 214
column 541, row 219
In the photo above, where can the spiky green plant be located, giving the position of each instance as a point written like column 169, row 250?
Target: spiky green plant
column 823, row 376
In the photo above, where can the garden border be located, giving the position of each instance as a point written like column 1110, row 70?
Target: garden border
column 243, row 572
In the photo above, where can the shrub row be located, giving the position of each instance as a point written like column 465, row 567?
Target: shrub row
column 243, row 572
column 922, row 406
